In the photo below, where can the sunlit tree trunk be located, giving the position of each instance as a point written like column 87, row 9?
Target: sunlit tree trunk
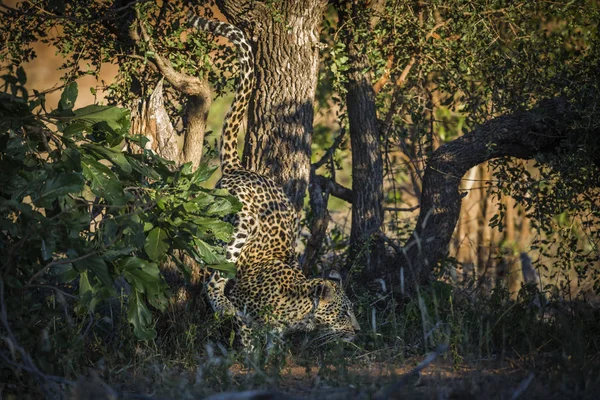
column 285, row 39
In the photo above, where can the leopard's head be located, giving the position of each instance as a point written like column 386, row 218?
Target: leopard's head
column 333, row 313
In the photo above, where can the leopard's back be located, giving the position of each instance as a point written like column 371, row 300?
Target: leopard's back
column 266, row 226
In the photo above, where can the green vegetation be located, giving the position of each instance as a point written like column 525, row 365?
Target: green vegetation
column 104, row 244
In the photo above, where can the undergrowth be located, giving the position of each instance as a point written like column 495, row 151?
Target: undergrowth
column 194, row 354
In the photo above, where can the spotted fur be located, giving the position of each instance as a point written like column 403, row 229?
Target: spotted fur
column 264, row 238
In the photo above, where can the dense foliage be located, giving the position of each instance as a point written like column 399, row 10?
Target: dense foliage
column 78, row 209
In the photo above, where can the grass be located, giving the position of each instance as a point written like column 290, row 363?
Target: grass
column 496, row 348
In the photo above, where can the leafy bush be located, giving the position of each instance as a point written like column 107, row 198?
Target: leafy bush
column 77, row 209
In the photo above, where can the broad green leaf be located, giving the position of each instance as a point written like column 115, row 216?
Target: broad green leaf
column 190, row 207
column 142, row 275
column 60, row 185
column 86, row 291
column 68, row 97
column 187, row 169
column 98, row 266
column 217, row 227
column 75, row 129
column 202, row 173
column 220, row 207
column 115, row 253
column 143, row 169
column 63, row 273
column 157, row 244
column 202, row 199
column 104, row 182
column 140, row 317
column 72, row 159
column 114, row 155
column 115, row 117
column 208, row 252
column 227, row 267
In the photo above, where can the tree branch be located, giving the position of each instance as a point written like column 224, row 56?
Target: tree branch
column 198, row 103
column 521, row 134
column 184, row 83
column 335, row 188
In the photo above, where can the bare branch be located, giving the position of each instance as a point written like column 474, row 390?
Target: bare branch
column 401, row 209
column 523, row 134
column 386, row 391
column 187, row 84
column 335, row 188
column 58, row 262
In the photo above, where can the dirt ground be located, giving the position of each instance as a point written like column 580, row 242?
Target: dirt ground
column 482, row 379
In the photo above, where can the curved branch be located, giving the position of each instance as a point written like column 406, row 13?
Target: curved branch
column 522, row 135
column 198, row 103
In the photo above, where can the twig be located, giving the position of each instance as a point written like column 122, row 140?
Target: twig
column 329, row 153
column 27, row 365
column 401, row 209
column 58, row 262
column 386, row 391
column 523, row 386
column 53, row 288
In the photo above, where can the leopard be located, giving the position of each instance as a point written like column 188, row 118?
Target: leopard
column 269, row 287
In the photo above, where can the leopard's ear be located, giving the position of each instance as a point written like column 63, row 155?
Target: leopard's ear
column 335, row 276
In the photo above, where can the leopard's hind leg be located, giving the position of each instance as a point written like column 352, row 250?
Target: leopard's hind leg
column 217, row 289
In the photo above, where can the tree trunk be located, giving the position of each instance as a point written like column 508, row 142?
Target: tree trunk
column 366, row 249
column 285, row 38
column 521, row 135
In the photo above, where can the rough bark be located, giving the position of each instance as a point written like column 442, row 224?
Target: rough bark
column 197, row 106
column 285, row 39
column 150, row 119
column 367, row 162
column 319, row 190
column 521, row 135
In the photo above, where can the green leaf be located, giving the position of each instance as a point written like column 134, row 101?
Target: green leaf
column 156, row 244
column 140, row 317
column 98, row 266
column 220, row 207
column 217, row 227
column 113, row 154
column 142, row 275
column 68, row 97
column 227, row 267
column 208, row 253
column 115, row 117
column 86, row 291
column 71, row 159
column 202, row 173
column 63, row 273
column 60, row 185
column 104, row 182
column 143, row 169
column 76, row 129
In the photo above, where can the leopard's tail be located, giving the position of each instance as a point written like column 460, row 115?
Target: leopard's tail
column 230, row 159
